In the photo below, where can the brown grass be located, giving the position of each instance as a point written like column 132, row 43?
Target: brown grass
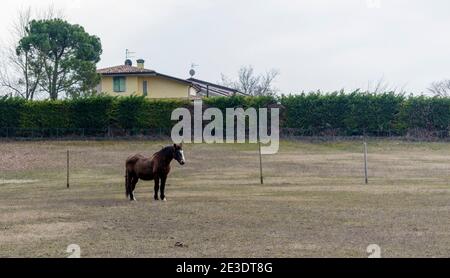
column 313, row 203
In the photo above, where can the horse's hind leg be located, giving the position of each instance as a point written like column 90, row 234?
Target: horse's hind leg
column 133, row 183
column 156, row 188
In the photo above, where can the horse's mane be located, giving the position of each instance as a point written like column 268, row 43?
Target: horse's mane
column 164, row 150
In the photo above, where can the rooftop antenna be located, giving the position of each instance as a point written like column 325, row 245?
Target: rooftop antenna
column 129, row 54
column 192, row 71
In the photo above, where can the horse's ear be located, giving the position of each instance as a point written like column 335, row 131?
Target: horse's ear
column 178, row 146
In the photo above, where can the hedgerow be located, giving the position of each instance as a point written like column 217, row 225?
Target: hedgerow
column 339, row 113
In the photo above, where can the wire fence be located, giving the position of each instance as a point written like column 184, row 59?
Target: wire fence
column 81, row 133
column 344, row 133
column 13, row 133
column 349, row 160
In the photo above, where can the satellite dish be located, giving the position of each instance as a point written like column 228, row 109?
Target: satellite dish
column 192, row 72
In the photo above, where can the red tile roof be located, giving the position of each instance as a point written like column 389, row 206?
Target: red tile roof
column 124, row 69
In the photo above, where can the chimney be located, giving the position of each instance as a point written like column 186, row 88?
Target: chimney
column 128, row 62
column 140, row 63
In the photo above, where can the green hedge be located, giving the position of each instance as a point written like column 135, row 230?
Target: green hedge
column 338, row 113
column 238, row 101
column 43, row 114
column 100, row 112
column 348, row 114
column 425, row 113
column 10, row 111
column 94, row 112
column 359, row 113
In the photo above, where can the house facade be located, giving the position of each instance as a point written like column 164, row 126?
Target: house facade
column 127, row 80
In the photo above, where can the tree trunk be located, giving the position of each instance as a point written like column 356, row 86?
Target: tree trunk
column 53, row 87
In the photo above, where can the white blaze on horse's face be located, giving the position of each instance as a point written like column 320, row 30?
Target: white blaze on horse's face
column 183, row 160
column 179, row 154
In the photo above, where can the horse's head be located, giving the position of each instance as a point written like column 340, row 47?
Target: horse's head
column 178, row 154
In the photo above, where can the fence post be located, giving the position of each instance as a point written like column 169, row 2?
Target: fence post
column 68, row 185
column 260, row 162
column 366, row 174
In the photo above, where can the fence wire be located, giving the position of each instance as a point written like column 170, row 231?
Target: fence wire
column 285, row 133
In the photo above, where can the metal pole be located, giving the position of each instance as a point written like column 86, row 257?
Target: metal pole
column 365, row 163
column 68, row 169
column 260, row 162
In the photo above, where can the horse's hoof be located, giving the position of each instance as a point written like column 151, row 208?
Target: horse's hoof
column 164, row 200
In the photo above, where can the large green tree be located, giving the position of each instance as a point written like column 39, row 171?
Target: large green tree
column 67, row 53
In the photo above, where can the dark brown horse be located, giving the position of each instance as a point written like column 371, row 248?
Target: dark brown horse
column 156, row 168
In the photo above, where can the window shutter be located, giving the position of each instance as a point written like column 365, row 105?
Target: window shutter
column 122, row 85
column 119, row 84
column 116, row 84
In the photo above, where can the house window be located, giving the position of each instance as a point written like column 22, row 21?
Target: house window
column 119, row 84
column 145, row 88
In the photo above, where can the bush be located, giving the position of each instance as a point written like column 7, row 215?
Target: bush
column 426, row 114
column 10, row 109
column 90, row 112
column 337, row 113
column 141, row 113
column 44, row 114
column 239, row 101
column 158, row 112
column 351, row 114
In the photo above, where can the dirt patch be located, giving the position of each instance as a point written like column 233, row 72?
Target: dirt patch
column 42, row 231
column 17, row 181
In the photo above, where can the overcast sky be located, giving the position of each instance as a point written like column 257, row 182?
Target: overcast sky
column 315, row 44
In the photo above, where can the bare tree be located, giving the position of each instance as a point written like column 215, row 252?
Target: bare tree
column 248, row 82
column 18, row 76
column 440, row 88
column 266, row 83
column 382, row 86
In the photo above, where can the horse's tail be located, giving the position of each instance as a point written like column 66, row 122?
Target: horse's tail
column 127, row 184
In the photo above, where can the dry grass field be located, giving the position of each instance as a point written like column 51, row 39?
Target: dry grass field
column 313, row 204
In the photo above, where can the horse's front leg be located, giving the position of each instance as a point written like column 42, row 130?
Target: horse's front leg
column 134, row 181
column 163, row 187
column 156, row 188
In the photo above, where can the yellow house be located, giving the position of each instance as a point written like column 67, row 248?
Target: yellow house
column 127, row 80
